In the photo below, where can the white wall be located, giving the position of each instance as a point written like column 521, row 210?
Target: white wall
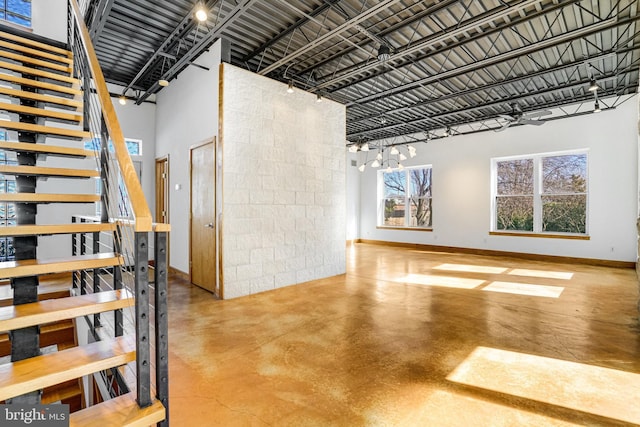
column 49, row 18
column 139, row 122
column 462, row 186
column 353, row 198
column 186, row 114
column 284, row 185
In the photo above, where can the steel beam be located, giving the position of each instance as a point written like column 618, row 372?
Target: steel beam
column 198, row 48
column 331, row 34
column 302, row 21
column 502, row 57
column 450, row 33
column 492, row 85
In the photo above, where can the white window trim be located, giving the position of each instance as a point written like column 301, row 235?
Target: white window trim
column 28, row 28
column 537, row 194
column 407, row 214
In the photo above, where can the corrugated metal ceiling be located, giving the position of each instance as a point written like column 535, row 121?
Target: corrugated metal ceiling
column 451, row 61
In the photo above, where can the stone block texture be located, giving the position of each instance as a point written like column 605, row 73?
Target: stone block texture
column 283, row 187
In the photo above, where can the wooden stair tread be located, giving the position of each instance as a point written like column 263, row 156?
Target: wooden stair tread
column 45, row 291
column 35, row 52
column 35, row 267
column 39, row 97
column 40, row 85
column 53, row 150
column 46, row 130
column 35, row 44
column 48, row 198
column 122, row 411
column 52, row 172
column 36, row 72
column 61, row 334
column 39, row 230
column 53, row 310
column 40, row 112
column 36, row 373
column 35, row 61
column 57, row 393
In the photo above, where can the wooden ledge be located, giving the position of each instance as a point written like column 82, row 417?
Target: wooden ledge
column 540, row 235
column 383, row 227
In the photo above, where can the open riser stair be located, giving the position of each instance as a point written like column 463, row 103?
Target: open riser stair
column 75, row 320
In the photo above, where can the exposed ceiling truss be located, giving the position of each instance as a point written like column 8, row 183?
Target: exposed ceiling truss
column 453, row 64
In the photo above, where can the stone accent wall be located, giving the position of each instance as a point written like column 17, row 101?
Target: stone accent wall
column 284, row 185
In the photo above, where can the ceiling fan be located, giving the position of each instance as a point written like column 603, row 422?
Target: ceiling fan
column 518, row 117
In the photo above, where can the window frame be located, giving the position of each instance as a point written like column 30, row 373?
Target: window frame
column 408, row 198
column 538, row 195
column 4, row 8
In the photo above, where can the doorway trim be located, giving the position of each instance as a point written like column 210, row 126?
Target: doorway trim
column 163, row 159
column 213, row 140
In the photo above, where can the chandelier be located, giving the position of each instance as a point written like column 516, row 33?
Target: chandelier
column 387, row 156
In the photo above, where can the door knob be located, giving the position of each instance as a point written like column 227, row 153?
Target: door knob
column 210, row 225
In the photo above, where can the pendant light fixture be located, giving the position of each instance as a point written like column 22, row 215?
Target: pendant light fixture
column 201, row 12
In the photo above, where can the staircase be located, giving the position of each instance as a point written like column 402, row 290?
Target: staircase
column 45, row 96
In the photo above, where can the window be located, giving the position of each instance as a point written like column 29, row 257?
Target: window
column 545, row 193
column 134, row 146
column 7, row 210
column 16, row 11
column 406, row 198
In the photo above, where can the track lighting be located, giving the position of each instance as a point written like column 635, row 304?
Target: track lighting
column 290, row 88
column 379, row 156
column 318, row 98
column 364, row 147
column 596, row 107
column 394, row 151
column 353, row 148
column 402, row 157
column 122, row 100
column 163, row 82
column 375, row 164
column 361, row 167
column 593, row 85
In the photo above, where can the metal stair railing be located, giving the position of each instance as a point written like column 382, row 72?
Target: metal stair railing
column 123, row 203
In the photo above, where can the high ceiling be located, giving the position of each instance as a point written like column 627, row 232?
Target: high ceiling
column 452, row 63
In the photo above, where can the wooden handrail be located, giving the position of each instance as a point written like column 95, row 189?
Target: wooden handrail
column 138, row 202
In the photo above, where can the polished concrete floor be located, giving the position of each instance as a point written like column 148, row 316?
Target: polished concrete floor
column 413, row 338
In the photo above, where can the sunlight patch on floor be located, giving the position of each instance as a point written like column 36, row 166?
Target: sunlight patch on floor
column 471, row 268
column 543, row 274
column 525, row 289
column 449, row 282
column 591, row 389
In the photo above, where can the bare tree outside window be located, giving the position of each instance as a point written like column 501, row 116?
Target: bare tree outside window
column 542, row 194
column 407, row 198
column 514, row 199
column 421, row 210
column 564, row 188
